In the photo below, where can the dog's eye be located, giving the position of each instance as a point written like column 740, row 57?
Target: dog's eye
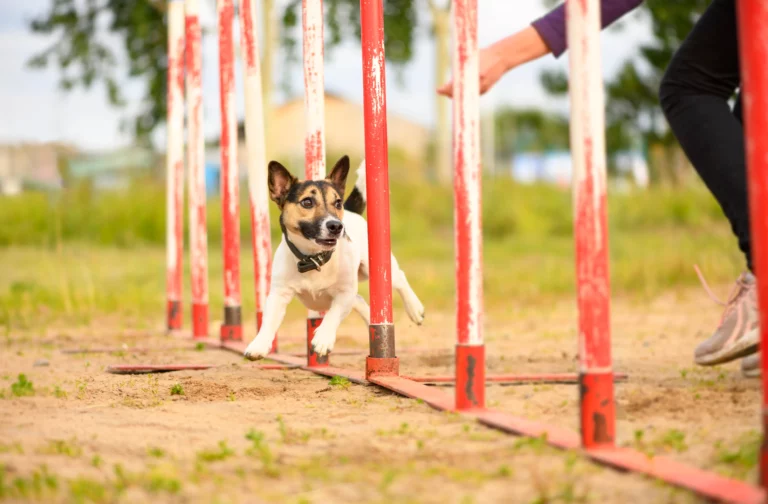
column 307, row 202
column 338, row 204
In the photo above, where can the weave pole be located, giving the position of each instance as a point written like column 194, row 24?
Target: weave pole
column 382, row 358
column 753, row 46
column 470, row 350
column 232, row 328
column 175, row 165
column 590, row 223
column 198, row 234
column 314, row 142
column 257, row 158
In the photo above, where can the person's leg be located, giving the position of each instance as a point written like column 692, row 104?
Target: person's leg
column 694, row 94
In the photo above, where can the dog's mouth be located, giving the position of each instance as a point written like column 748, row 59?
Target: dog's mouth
column 328, row 242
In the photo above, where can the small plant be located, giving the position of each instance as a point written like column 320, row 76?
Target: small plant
column 156, row 452
column 59, row 392
column 87, row 490
column 177, row 389
column 261, row 450
column 22, row 387
column 62, row 447
column 504, row 472
column 200, row 346
column 222, row 453
column 340, row 381
column 675, row 440
column 231, row 397
column 683, row 373
column 96, row 461
column 743, row 458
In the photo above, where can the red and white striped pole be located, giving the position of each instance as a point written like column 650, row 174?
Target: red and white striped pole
column 198, row 233
column 382, row 358
column 232, row 328
column 175, row 164
column 753, row 46
column 314, row 143
column 257, row 157
column 590, row 223
column 470, row 350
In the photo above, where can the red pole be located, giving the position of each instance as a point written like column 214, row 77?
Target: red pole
column 592, row 278
column 382, row 357
column 175, row 164
column 232, row 328
column 314, row 143
column 257, row 158
column 198, row 234
column 753, row 45
column 470, row 350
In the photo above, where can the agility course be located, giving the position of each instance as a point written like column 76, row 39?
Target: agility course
column 597, row 437
column 287, row 435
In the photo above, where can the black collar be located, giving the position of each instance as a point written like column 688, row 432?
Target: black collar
column 306, row 262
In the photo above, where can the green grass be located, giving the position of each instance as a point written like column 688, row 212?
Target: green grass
column 23, row 387
column 83, row 255
column 177, row 389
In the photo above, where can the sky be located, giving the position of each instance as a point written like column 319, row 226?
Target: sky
column 34, row 109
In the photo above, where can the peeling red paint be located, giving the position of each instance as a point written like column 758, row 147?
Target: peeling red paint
column 376, row 161
column 753, row 46
column 229, row 167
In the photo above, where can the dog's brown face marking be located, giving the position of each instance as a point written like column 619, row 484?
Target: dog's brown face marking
column 306, row 205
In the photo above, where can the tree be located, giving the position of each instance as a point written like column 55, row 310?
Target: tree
column 632, row 105
column 85, row 59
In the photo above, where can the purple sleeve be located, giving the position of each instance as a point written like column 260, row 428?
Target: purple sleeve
column 551, row 26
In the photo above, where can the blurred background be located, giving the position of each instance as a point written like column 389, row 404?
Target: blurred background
column 82, row 146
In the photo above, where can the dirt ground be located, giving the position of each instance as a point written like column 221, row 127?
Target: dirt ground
column 237, row 434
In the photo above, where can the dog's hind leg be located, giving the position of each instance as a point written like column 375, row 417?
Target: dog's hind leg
column 362, row 308
column 412, row 303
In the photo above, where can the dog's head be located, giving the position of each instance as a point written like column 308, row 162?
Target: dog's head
column 311, row 210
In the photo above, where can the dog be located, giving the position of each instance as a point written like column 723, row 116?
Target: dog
column 322, row 256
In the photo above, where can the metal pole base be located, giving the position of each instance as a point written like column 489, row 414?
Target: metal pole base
column 470, row 377
column 598, row 411
column 314, row 360
column 232, row 328
column 199, row 320
column 173, row 315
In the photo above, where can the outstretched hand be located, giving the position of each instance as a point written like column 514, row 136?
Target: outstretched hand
column 492, row 67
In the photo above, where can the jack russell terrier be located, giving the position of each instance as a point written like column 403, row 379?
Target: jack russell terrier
column 322, row 256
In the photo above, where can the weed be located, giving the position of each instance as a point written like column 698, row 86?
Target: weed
column 200, row 346
column 156, row 452
column 743, row 458
column 673, row 439
column 96, row 461
column 61, row 447
column 260, row 449
column 222, row 453
column 87, row 490
column 504, row 472
column 22, row 387
column 231, row 397
column 177, row 389
column 59, row 392
column 341, row 382
column 683, row 373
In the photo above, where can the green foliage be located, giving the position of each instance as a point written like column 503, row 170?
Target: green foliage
column 84, row 57
column 340, row 381
column 22, row 387
column 177, row 389
column 223, row 452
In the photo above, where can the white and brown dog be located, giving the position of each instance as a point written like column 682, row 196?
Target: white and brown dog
column 322, row 256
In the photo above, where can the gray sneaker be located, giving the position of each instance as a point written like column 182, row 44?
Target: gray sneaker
column 750, row 366
column 737, row 335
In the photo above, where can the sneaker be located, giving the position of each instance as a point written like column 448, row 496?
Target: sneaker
column 737, row 335
column 750, row 366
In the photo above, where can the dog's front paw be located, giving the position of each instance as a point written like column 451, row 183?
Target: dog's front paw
column 415, row 309
column 258, row 348
column 323, row 341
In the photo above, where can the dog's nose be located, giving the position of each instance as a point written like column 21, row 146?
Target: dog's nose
column 334, row 227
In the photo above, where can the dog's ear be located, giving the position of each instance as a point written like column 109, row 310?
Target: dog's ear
column 338, row 176
column 280, row 182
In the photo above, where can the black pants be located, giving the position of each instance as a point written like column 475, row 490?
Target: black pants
column 694, row 93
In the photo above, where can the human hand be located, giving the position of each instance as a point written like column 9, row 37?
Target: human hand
column 492, row 66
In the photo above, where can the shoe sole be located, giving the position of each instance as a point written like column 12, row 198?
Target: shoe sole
column 741, row 348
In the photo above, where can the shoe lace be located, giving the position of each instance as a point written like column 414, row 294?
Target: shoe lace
column 737, row 291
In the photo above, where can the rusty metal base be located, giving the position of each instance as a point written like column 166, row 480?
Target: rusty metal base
column 514, row 379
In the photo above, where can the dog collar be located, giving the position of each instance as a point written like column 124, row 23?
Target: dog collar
column 307, row 262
